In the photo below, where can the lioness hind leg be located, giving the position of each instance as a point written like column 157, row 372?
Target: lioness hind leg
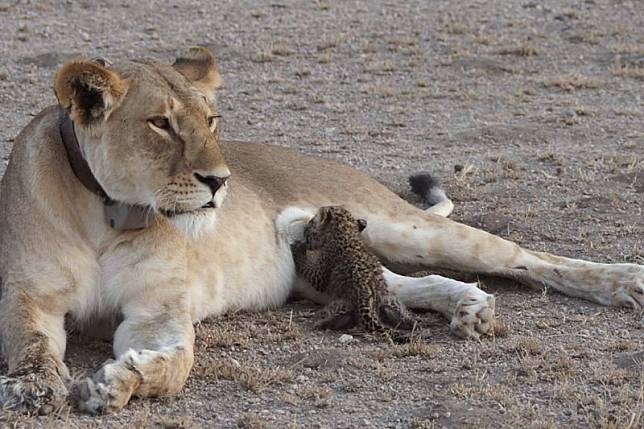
column 419, row 239
column 33, row 344
column 154, row 358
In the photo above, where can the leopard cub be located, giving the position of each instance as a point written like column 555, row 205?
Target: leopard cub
column 336, row 262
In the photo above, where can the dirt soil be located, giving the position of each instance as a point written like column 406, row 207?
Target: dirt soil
column 531, row 113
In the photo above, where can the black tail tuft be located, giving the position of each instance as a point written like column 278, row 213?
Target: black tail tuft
column 427, row 188
column 422, row 184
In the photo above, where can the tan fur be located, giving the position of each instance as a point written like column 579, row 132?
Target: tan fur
column 199, row 66
column 59, row 257
column 78, row 78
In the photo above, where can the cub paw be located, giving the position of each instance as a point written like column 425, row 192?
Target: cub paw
column 338, row 322
column 32, row 393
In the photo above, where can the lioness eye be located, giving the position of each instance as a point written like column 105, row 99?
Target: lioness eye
column 160, row 122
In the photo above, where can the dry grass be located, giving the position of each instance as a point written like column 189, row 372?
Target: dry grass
column 455, row 26
column 528, row 346
column 526, row 49
column 251, row 421
column 501, row 329
column 10, row 419
column 463, row 172
column 628, row 111
column 628, row 48
column 460, row 390
column 368, row 47
column 324, row 58
column 322, row 397
column 263, row 56
column 417, row 348
column 168, row 422
column 377, row 67
column 329, row 43
column 421, row 423
column 281, row 49
column 270, row 51
column 572, row 82
column 621, row 346
column 482, row 39
column 211, row 334
column 622, row 68
column 253, row 378
column 406, row 46
column 379, row 90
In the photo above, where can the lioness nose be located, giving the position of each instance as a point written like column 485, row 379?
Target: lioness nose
column 213, row 182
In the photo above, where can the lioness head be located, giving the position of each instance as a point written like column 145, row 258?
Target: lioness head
column 149, row 132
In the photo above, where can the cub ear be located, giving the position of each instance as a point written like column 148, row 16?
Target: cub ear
column 199, row 66
column 88, row 90
column 362, row 224
column 325, row 216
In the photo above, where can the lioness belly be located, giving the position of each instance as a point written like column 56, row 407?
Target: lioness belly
column 243, row 264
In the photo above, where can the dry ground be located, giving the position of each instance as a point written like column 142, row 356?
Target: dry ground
column 530, row 111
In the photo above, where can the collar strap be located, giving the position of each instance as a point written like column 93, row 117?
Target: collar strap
column 118, row 215
column 77, row 161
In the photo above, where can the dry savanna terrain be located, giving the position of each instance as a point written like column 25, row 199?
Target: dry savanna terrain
column 530, row 112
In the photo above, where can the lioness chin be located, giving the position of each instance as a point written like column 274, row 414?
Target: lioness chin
column 121, row 202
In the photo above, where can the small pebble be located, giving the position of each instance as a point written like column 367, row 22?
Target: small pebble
column 345, row 338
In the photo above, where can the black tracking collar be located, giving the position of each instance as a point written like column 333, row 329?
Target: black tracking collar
column 121, row 216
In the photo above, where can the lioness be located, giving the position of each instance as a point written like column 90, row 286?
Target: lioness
column 139, row 140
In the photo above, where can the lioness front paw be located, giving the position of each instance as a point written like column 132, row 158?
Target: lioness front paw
column 32, row 393
column 99, row 398
column 109, row 390
column 474, row 315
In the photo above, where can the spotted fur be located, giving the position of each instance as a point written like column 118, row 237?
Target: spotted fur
column 334, row 259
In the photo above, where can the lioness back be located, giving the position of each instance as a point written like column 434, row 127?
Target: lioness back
column 285, row 177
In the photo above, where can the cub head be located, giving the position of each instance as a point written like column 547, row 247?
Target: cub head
column 149, row 133
column 330, row 224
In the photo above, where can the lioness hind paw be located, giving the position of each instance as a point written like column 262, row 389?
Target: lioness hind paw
column 629, row 289
column 474, row 315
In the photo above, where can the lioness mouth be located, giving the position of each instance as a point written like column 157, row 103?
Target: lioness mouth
column 172, row 213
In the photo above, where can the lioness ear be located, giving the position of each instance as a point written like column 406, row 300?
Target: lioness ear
column 362, row 224
column 199, row 66
column 88, row 90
